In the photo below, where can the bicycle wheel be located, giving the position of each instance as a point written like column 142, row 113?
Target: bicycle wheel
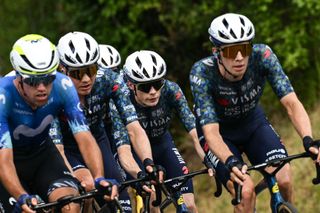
column 286, row 207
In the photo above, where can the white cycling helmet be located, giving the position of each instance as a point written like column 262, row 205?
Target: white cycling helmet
column 144, row 66
column 78, row 49
column 109, row 57
column 230, row 28
column 34, row 55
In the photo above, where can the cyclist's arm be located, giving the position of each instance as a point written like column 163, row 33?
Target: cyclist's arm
column 90, row 152
column 127, row 161
column 139, row 140
column 8, row 174
column 196, row 143
column 297, row 114
column 221, row 150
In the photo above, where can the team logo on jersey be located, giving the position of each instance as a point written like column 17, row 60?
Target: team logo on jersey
column 267, row 53
column 223, row 102
column 66, row 82
column 178, row 95
column 115, row 88
column 30, row 132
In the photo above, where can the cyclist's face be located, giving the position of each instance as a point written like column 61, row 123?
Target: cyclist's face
column 237, row 66
column 146, row 99
column 83, row 79
column 36, row 95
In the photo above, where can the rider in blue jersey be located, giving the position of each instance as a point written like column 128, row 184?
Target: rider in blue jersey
column 155, row 100
column 29, row 163
column 79, row 53
column 227, row 87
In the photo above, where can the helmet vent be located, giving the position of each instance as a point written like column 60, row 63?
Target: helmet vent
column 222, row 35
column 109, row 49
column 233, row 34
column 135, row 74
column 72, row 47
column 145, row 73
column 242, row 21
column 242, row 33
column 250, row 31
column 78, row 58
column 95, row 55
column 68, row 59
column 87, row 43
column 154, row 71
column 225, row 23
column 161, row 70
column 87, row 57
column 138, row 62
column 27, row 61
column 104, row 62
column 154, row 59
column 117, row 59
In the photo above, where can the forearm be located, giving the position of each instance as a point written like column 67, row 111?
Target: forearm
column 127, row 161
column 297, row 115
column 139, row 141
column 215, row 142
column 196, row 143
column 91, row 153
column 60, row 147
column 9, row 177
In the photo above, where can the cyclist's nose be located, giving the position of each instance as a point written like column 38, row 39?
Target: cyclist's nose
column 239, row 56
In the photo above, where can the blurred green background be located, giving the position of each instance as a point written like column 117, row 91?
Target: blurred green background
column 177, row 30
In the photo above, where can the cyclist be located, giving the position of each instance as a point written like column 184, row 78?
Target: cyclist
column 155, row 100
column 29, row 163
column 227, row 87
column 79, row 53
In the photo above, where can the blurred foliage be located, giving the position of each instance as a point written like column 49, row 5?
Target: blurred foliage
column 177, row 30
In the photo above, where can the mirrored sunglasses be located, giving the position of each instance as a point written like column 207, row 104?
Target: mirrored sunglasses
column 36, row 81
column 79, row 72
column 146, row 87
column 232, row 51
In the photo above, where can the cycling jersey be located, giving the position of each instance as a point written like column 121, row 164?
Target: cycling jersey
column 219, row 100
column 24, row 128
column 155, row 121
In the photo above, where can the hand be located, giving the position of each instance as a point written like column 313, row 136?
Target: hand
column 155, row 172
column 24, row 203
column 237, row 169
column 312, row 147
column 208, row 163
column 143, row 187
column 107, row 187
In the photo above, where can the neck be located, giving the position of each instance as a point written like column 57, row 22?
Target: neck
column 226, row 73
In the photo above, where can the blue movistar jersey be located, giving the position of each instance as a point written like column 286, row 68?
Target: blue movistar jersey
column 219, row 100
column 108, row 86
column 155, row 120
column 21, row 126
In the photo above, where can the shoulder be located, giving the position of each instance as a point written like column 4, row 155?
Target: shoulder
column 262, row 51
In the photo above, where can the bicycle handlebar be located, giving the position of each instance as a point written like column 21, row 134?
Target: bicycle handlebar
column 280, row 163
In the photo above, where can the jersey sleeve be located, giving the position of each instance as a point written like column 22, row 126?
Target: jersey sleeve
column 5, row 138
column 180, row 104
column 201, row 87
column 121, row 99
column 71, row 106
column 278, row 80
column 120, row 133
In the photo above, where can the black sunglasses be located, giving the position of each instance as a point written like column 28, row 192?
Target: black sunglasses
column 36, row 81
column 146, row 87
